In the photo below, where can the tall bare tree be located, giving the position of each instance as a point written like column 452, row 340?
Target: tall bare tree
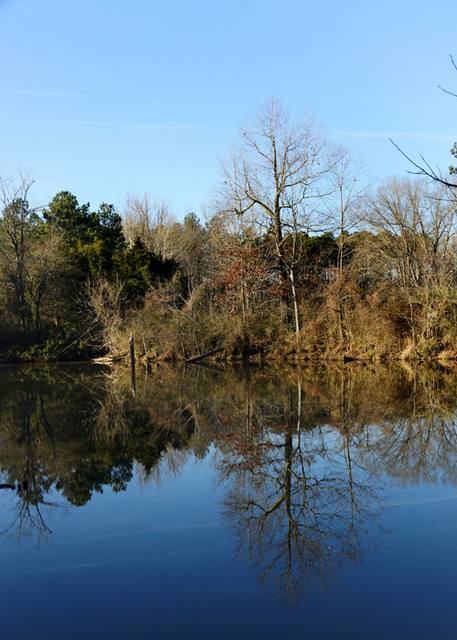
column 33, row 264
column 16, row 238
column 344, row 216
column 277, row 172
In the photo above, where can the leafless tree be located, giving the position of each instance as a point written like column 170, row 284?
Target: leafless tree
column 15, row 238
column 345, row 208
column 277, row 173
column 345, row 214
column 150, row 220
column 414, row 246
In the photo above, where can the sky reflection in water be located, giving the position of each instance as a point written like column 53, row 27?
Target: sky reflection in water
column 253, row 503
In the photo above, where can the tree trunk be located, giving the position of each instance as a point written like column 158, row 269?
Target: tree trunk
column 295, row 302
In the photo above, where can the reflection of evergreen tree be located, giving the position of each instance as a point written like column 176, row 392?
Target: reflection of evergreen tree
column 52, row 436
column 92, row 475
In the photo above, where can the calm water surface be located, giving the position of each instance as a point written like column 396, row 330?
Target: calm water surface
column 213, row 503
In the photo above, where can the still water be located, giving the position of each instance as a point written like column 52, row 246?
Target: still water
column 319, row 502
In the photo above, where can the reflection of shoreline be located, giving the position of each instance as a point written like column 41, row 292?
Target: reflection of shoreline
column 75, row 434
column 80, row 432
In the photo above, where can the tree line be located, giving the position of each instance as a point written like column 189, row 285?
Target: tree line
column 297, row 256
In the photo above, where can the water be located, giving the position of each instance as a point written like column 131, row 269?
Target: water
column 319, row 502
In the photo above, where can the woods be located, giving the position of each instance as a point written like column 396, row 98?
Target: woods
column 297, row 257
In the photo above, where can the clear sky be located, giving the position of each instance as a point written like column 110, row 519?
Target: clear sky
column 102, row 98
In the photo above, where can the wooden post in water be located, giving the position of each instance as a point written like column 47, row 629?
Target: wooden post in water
column 132, row 363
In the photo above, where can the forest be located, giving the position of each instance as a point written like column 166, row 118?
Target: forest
column 296, row 256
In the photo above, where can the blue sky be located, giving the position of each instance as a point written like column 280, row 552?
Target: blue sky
column 104, row 98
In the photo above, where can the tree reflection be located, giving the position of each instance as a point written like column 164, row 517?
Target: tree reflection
column 25, row 427
column 29, row 519
column 300, row 506
column 304, row 453
column 61, row 434
column 418, row 442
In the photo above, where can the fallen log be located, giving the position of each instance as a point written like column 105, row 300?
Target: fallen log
column 112, row 358
column 208, row 354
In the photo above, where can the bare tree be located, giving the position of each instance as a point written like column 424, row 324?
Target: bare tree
column 277, row 173
column 150, row 220
column 16, row 237
column 414, row 247
column 345, row 210
column 187, row 245
column 33, row 264
column 344, row 216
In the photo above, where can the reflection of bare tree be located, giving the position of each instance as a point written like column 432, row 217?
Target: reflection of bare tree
column 416, row 440
column 304, row 483
column 417, row 450
column 27, row 432
column 300, row 506
column 29, row 519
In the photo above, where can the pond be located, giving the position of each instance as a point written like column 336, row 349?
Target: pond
column 218, row 502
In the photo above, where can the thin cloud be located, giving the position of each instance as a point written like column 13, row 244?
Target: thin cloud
column 150, row 127
column 387, row 134
column 48, row 94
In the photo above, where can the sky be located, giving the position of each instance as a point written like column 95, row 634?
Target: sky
column 106, row 99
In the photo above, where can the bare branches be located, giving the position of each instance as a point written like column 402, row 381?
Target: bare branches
column 425, row 169
column 454, row 95
column 150, row 220
column 15, row 189
column 277, row 165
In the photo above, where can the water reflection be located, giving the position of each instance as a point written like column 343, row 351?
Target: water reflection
column 300, row 500
column 73, row 433
column 303, row 455
column 305, row 474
